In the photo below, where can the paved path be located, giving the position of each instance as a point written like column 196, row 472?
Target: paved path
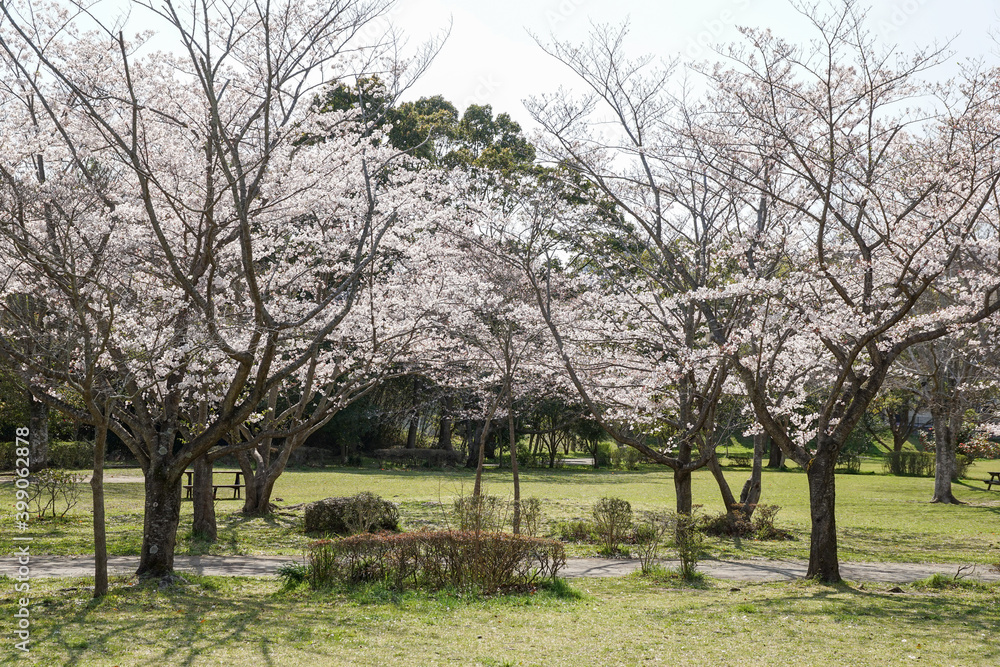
column 734, row 570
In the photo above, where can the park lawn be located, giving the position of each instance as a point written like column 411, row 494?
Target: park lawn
column 880, row 517
column 627, row 621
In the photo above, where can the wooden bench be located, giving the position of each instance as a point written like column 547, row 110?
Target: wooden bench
column 237, row 486
column 994, row 479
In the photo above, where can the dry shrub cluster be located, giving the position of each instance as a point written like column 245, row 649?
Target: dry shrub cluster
column 761, row 527
column 486, row 562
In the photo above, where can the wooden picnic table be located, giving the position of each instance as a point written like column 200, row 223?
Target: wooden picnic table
column 994, row 479
column 236, row 486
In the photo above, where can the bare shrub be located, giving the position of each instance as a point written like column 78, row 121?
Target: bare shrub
column 465, row 560
column 482, row 513
column 51, row 489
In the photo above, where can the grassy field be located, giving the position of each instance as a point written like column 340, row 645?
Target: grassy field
column 629, row 621
column 880, row 518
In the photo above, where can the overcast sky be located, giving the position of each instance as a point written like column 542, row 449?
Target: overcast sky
column 490, row 58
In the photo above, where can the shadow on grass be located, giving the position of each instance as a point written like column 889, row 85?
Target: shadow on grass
column 179, row 625
column 844, row 603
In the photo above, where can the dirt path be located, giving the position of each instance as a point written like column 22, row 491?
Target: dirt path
column 733, row 570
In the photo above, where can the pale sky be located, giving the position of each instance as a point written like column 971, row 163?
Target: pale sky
column 491, row 59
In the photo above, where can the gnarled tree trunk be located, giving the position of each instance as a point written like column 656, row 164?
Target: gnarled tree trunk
column 823, row 562
column 204, row 524
column 162, row 516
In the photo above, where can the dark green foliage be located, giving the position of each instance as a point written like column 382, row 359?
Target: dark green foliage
column 431, row 458
column 363, row 512
column 292, row 573
column 69, row 455
column 915, row 464
column 576, row 531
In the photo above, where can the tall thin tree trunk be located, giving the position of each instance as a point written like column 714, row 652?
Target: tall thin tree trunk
column 513, row 464
column 38, row 435
column 97, row 491
column 750, row 495
column 411, row 434
column 477, row 489
column 823, row 562
column 472, row 431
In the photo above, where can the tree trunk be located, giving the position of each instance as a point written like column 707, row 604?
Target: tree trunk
column 823, row 562
column 38, row 435
column 750, row 495
column 776, row 457
column 263, row 483
column 473, row 431
column 444, row 428
column 900, row 430
column 728, row 500
column 411, row 434
column 947, row 424
column 204, row 525
column 480, row 449
column 513, row 465
column 162, row 515
column 100, row 534
column 250, row 490
column 682, row 489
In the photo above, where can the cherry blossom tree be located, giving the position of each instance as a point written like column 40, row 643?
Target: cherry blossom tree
column 217, row 252
column 886, row 183
column 663, row 242
column 490, row 341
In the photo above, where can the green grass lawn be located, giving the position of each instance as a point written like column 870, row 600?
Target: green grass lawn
column 628, row 621
column 880, row 518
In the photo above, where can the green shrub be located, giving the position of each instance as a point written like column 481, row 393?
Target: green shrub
column 293, row 573
column 612, row 523
column 605, row 455
column 849, row 462
column 723, row 525
column 763, row 524
column 576, row 531
column 66, row 454
column 432, row 560
column 687, row 540
column 531, row 516
column 741, row 459
column 648, row 536
column 916, row 464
